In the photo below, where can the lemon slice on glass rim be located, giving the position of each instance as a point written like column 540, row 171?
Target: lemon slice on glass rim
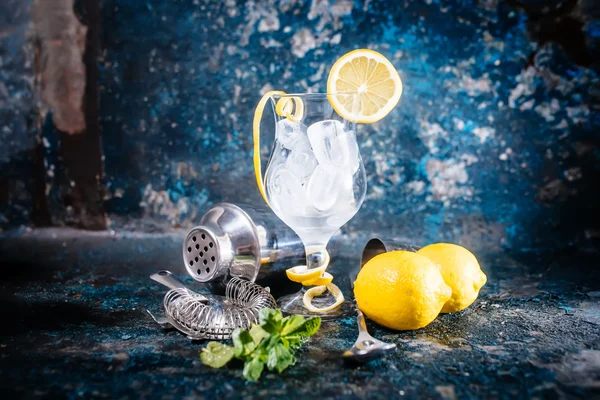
column 370, row 76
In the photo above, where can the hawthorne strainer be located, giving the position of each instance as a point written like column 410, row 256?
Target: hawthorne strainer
column 211, row 316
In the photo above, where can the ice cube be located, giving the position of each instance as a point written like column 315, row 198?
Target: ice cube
column 324, row 186
column 345, row 151
column 321, row 136
column 290, row 133
column 285, row 192
column 345, row 198
column 302, row 162
column 332, row 144
column 345, row 206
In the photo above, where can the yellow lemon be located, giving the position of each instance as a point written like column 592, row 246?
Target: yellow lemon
column 373, row 79
column 461, row 272
column 401, row 290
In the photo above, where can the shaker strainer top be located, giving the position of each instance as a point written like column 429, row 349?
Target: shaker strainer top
column 200, row 254
column 225, row 244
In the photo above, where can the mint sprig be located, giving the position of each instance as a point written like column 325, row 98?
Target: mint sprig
column 271, row 343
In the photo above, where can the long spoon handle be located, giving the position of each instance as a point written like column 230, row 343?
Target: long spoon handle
column 363, row 333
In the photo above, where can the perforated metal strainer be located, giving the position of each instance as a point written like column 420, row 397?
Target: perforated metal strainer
column 200, row 255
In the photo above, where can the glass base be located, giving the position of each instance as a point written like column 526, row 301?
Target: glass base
column 293, row 304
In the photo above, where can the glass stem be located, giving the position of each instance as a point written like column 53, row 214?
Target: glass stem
column 316, row 256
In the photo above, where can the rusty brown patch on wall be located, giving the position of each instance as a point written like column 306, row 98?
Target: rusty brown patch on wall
column 61, row 38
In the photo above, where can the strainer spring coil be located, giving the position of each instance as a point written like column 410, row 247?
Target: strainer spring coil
column 217, row 320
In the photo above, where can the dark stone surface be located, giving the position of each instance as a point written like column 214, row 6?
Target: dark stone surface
column 74, row 326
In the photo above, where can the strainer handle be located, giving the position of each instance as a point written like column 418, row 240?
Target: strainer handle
column 167, row 279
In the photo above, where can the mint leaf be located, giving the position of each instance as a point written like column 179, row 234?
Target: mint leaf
column 272, row 343
column 270, row 320
column 243, row 343
column 295, row 339
column 253, row 368
column 291, row 323
column 269, row 314
column 258, row 334
column 216, row 354
column 279, row 358
column 309, row 328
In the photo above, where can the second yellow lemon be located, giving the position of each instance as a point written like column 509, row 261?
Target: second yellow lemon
column 401, row 290
column 461, row 272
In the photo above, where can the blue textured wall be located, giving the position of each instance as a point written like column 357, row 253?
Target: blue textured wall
column 494, row 142
column 16, row 105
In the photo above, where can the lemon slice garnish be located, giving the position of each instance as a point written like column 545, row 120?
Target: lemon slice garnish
column 302, row 274
column 290, row 107
column 307, row 277
column 324, row 279
column 319, row 290
column 370, row 76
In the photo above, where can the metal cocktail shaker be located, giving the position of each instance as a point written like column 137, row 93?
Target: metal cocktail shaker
column 246, row 243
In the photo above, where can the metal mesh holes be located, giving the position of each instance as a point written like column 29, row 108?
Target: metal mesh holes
column 200, row 254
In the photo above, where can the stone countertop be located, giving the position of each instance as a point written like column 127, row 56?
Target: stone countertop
column 73, row 306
